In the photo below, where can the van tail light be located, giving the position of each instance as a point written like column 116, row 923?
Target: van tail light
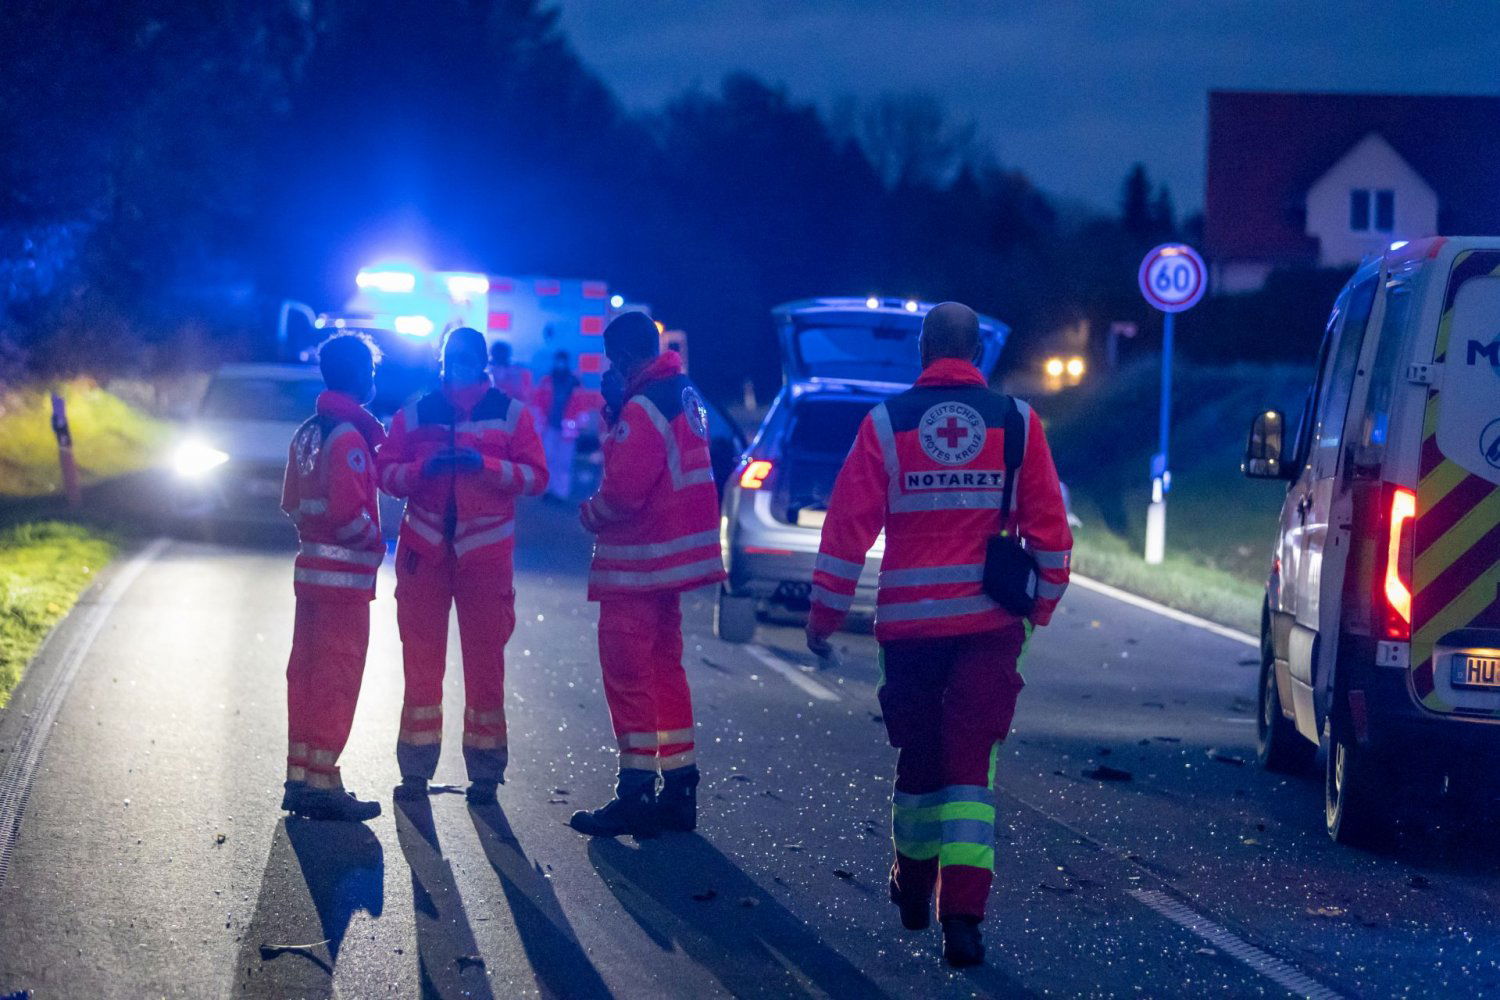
column 1400, row 544
column 754, row 475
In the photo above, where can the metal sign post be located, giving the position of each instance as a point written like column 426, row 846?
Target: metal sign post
column 1172, row 279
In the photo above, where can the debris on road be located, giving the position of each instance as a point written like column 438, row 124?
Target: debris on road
column 840, row 873
column 270, row 951
column 1329, row 912
column 219, row 838
column 1106, row 773
column 706, row 896
column 1225, row 758
column 466, row 962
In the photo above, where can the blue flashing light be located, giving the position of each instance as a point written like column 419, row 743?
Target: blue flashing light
column 413, row 326
column 394, row 282
column 465, row 287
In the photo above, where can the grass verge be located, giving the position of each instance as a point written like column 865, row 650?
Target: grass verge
column 1179, row 582
column 1220, row 526
column 110, row 437
column 43, row 568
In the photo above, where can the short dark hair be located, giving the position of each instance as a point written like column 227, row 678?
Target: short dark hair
column 950, row 330
column 633, row 334
column 345, row 359
column 468, row 340
column 500, row 353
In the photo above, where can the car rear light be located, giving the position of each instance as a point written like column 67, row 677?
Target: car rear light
column 1398, row 563
column 754, row 475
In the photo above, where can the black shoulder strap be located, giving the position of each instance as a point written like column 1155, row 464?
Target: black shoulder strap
column 1015, row 454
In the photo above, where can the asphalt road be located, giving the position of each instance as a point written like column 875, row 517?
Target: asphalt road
column 151, row 858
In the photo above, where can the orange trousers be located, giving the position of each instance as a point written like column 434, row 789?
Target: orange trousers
column 323, row 675
column 640, row 652
column 428, row 587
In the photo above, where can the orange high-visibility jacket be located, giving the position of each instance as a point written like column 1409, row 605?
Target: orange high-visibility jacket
column 928, row 467
column 656, row 512
column 480, row 505
column 329, row 493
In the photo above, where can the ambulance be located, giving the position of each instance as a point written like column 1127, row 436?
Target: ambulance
column 1380, row 635
column 407, row 309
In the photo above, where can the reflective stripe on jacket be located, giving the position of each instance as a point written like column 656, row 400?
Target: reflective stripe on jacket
column 657, row 510
column 482, row 503
column 928, row 466
column 329, row 492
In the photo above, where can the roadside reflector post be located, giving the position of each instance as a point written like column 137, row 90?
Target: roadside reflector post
column 65, row 451
column 1172, row 279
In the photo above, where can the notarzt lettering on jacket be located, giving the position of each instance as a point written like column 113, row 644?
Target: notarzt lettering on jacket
column 944, row 480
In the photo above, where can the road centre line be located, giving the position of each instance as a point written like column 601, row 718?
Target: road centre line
column 1278, row 971
column 15, row 782
column 795, row 675
column 1177, row 616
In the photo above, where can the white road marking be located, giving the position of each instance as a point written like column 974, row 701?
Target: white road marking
column 1278, row 971
column 1177, row 616
column 793, row 674
column 15, row 782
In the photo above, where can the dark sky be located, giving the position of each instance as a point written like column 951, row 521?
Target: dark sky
column 1070, row 91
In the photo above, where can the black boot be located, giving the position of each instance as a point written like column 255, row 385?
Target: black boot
column 916, row 913
column 632, row 811
column 292, row 793
column 331, row 804
column 677, row 803
column 962, row 943
column 482, row 793
column 411, row 789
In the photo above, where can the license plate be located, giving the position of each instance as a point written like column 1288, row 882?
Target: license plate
column 1476, row 671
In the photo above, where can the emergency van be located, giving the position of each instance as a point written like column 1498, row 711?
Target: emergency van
column 407, row 309
column 1380, row 635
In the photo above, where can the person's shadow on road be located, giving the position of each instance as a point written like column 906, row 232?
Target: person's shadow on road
column 448, row 957
column 561, row 967
column 685, row 894
column 318, row 875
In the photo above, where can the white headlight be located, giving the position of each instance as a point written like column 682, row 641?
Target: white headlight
column 195, row 458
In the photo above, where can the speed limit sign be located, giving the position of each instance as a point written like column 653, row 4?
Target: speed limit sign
column 1173, row 277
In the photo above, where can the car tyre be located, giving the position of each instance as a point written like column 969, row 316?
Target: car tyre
column 1280, row 748
column 734, row 618
column 1356, row 799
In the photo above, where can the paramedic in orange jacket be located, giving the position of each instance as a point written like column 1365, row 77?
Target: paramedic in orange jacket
column 329, row 493
column 928, row 467
column 460, row 456
column 655, row 518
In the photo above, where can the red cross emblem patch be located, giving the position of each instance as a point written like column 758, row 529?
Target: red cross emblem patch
column 951, row 433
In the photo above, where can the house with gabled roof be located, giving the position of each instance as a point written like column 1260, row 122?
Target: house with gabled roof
column 1322, row 180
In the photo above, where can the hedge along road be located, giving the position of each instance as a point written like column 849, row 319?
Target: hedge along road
column 1139, row 851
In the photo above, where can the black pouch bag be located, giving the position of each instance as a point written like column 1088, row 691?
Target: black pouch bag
column 1010, row 572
